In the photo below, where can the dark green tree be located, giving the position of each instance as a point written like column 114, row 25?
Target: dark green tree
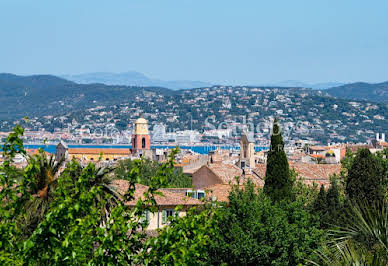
column 278, row 181
column 333, row 204
column 147, row 170
column 365, row 179
column 253, row 230
column 319, row 205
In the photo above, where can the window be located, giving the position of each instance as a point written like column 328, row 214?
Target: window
column 143, row 143
column 166, row 214
column 190, row 193
column 145, row 217
column 200, row 194
column 196, row 194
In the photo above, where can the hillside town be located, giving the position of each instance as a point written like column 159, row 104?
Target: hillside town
column 216, row 115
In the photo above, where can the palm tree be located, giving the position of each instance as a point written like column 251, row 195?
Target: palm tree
column 43, row 171
column 362, row 241
column 104, row 177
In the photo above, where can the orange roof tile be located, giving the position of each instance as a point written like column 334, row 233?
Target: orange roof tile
column 99, row 151
column 309, row 173
column 219, row 192
column 36, row 151
column 316, row 156
column 384, row 144
column 168, row 198
column 319, row 148
column 228, row 173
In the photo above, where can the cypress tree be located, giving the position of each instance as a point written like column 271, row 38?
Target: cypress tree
column 319, row 205
column 278, row 182
column 364, row 181
column 332, row 203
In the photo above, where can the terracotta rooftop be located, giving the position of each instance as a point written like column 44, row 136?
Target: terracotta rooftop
column 219, row 192
column 317, row 173
column 99, row 151
column 316, row 156
column 168, row 198
column 384, row 144
column 228, row 173
column 36, row 151
column 320, row 148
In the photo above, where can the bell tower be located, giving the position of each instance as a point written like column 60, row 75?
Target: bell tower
column 140, row 138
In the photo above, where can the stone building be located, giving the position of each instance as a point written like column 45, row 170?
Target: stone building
column 247, row 152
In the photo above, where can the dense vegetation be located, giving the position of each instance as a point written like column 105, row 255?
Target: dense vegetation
column 76, row 216
column 145, row 171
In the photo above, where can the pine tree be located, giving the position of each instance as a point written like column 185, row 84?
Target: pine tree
column 278, row 182
column 364, row 181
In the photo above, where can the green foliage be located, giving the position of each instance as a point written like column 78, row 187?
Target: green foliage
column 320, row 204
column 361, row 240
column 333, row 204
column 13, row 193
column 252, row 230
column 84, row 220
column 327, row 205
column 366, row 178
column 278, row 182
column 147, row 170
column 184, row 242
column 43, row 171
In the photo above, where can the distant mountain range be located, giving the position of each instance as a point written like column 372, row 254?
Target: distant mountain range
column 133, row 78
column 361, row 91
column 295, row 83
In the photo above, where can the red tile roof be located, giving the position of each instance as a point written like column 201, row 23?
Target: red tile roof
column 99, row 151
column 316, row 156
column 309, row 173
column 219, row 192
column 168, row 198
column 228, row 173
column 36, row 151
column 384, row 144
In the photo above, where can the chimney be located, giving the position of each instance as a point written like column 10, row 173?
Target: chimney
column 383, row 137
column 377, row 137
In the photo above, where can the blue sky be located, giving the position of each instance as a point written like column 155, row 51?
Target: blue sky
column 228, row 42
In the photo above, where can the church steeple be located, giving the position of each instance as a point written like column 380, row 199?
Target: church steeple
column 140, row 138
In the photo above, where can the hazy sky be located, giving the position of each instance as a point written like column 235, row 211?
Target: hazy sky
column 245, row 42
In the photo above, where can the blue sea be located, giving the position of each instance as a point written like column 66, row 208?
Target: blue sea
column 198, row 149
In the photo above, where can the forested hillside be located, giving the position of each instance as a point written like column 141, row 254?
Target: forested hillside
column 361, row 91
column 42, row 95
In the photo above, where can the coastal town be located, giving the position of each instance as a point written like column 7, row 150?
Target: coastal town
column 212, row 174
column 194, row 133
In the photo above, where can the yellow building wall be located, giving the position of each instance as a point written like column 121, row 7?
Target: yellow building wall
column 96, row 157
column 155, row 223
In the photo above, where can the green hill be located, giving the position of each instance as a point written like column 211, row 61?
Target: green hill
column 361, row 91
column 49, row 95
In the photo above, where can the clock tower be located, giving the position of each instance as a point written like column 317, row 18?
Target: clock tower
column 141, row 141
